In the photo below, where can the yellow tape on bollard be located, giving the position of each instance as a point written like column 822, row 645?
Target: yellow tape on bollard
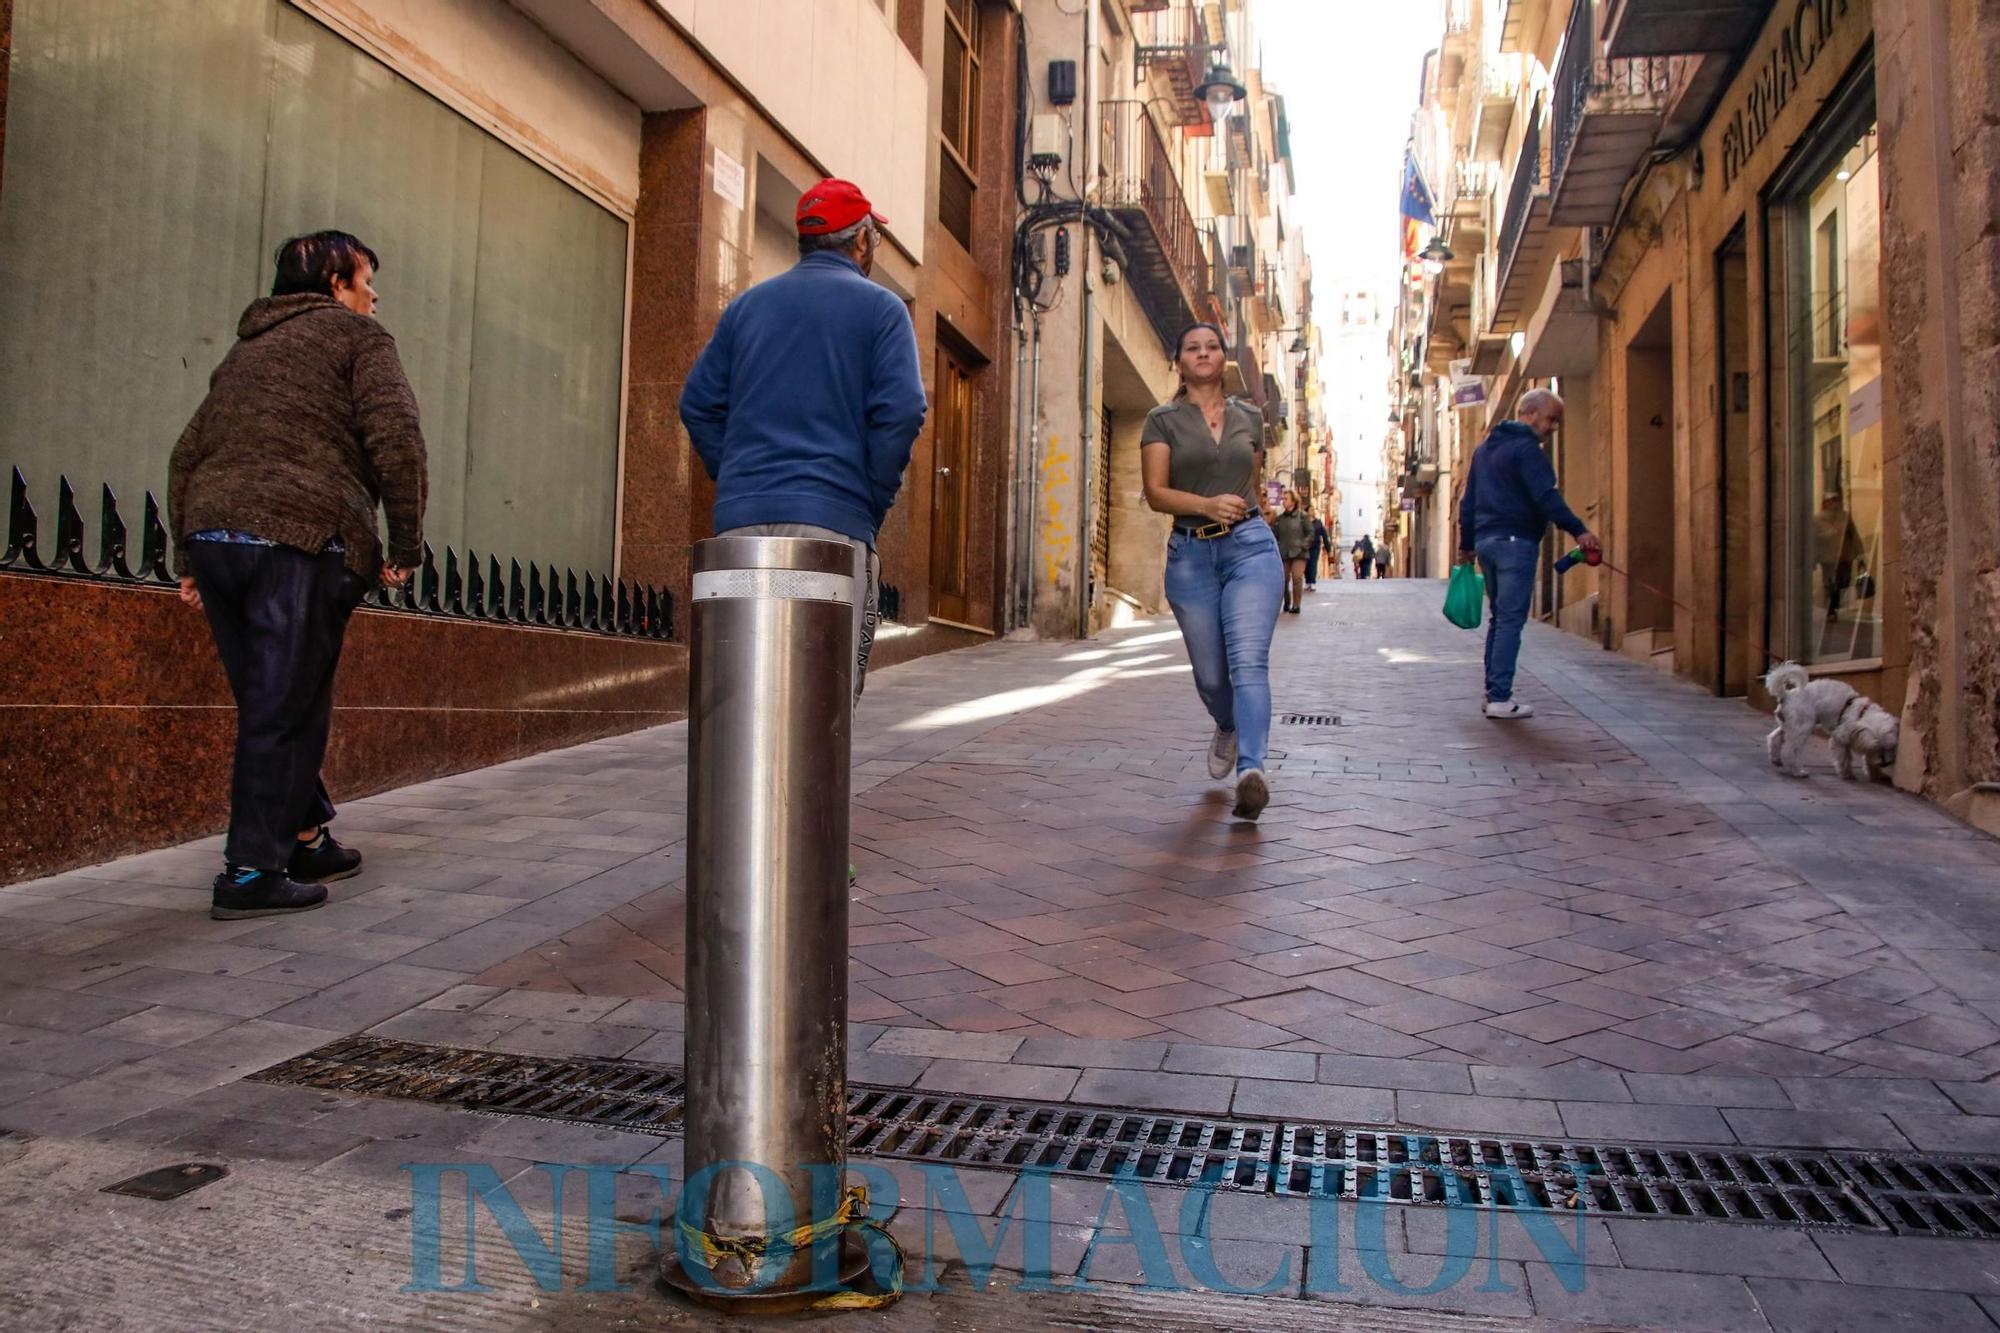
column 852, row 1214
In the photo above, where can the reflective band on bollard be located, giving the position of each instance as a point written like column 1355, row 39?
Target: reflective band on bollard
column 770, row 690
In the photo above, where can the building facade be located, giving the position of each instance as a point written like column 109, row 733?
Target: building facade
column 1751, row 248
column 564, row 195
column 1158, row 195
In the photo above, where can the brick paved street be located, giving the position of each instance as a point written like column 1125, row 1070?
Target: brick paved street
column 1615, row 922
column 1434, row 904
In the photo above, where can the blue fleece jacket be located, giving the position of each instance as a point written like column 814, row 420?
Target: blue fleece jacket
column 1510, row 490
column 806, row 403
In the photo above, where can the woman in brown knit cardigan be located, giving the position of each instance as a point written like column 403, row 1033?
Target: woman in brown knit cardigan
column 308, row 426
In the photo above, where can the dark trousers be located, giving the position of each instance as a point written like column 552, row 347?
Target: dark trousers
column 278, row 616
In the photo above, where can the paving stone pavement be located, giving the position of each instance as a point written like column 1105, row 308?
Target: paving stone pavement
column 1614, row 921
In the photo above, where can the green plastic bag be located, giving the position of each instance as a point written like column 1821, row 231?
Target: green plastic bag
column 1465, row 596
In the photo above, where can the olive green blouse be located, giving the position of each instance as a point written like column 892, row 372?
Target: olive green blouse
column 1197, row 463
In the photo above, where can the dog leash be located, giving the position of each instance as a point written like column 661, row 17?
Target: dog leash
column 1770, row 658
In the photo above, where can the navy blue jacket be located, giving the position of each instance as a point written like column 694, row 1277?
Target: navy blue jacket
column 1510, row 490
column 805, row 405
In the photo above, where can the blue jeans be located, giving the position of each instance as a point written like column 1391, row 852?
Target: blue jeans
column 1225, row 593
column 1509, row 566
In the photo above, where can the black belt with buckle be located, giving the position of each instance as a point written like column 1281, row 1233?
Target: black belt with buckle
column 1210, row 531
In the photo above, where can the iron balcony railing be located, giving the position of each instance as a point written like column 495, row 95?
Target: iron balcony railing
column 464, row 591
column 1138, row 173
column 1583, row 77
column 1527, row 183
column 1245, row 352
column 1473, row 180
column 1173, row 38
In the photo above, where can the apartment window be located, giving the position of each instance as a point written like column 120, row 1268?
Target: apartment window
column 958, row 148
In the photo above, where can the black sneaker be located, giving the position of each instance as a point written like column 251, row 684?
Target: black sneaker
column 322, row 861
column 243, row 893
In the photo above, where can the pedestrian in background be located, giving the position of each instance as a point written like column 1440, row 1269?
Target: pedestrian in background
column 309, row 425
column 1364, row 557
column 1294, row 533
column 1321, row 545
column 1382, row 557
column 1510, row 499
column 1200, row 457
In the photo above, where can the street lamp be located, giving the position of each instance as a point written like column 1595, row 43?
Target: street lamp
column 1221, row 91
column 1436, row 255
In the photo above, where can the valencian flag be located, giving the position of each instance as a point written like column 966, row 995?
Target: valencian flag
column 1417, row 205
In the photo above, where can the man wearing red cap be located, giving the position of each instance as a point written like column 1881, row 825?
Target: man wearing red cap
column 805, row 405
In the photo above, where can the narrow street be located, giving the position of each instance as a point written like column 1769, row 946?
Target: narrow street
column 1613, row 924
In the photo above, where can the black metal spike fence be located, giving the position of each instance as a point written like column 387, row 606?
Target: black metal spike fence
column 466, row 589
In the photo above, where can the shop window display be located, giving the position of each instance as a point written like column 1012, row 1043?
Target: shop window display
column 1836, row 487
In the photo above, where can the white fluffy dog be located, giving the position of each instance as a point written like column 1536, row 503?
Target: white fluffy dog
column 1861, row 728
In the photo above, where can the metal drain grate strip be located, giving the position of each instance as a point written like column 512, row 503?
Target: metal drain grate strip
column 598, row 1092
column 1167, row 1149
column 1309, row 720
column 1908, row 1194
column 1927, row 1196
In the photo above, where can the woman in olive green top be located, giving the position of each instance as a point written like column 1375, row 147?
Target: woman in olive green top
column 1201, row 456
column 1294, row 533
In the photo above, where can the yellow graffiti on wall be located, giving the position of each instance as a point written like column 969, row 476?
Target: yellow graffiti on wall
column 1058, row 480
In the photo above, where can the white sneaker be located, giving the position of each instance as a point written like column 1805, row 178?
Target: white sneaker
column 1508, row 710
column 1253, row 793
column 1222, row 754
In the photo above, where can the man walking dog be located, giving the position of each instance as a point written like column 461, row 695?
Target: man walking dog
column 1510, row 499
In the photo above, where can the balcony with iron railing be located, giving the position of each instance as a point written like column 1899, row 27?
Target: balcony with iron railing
column 1456, row 50
column 1138, row 183
column 1173, row 41
column 1472, row 185
column 1525, row 244
column 1605, row 117
column 1501, row 79
column 1247, row 379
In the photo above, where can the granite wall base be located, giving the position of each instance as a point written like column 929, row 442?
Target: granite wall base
column 116, row 724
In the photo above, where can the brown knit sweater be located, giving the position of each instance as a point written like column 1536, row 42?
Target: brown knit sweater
column 309, row 424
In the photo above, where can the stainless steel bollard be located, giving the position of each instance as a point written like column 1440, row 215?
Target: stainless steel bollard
column 770, row 688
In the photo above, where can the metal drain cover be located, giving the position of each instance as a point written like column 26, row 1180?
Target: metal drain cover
column 1309, row 720
column 1928, row 1196
column 1908, row 1194
column 1161, row 1148
column 617, row 1093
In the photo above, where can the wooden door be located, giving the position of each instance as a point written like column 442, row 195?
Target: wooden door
column 951, row 489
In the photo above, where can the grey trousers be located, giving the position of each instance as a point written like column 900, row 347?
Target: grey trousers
column 867, row 575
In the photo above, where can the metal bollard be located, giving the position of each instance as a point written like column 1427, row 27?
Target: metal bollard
column 770, row 688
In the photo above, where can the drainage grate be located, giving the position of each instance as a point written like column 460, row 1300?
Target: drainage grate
column 599, row 1092
column 1929, row 1196
column 1166, row 1149
column 1703, row 1184
column 1908, row 1194
column 1309, row 720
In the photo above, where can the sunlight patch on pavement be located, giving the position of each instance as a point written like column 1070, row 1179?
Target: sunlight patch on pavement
column 1030, row 697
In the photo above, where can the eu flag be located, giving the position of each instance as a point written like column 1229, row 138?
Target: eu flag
column 1416, row 195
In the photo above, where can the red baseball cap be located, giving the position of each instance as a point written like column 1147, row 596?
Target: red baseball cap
column 834, row 205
